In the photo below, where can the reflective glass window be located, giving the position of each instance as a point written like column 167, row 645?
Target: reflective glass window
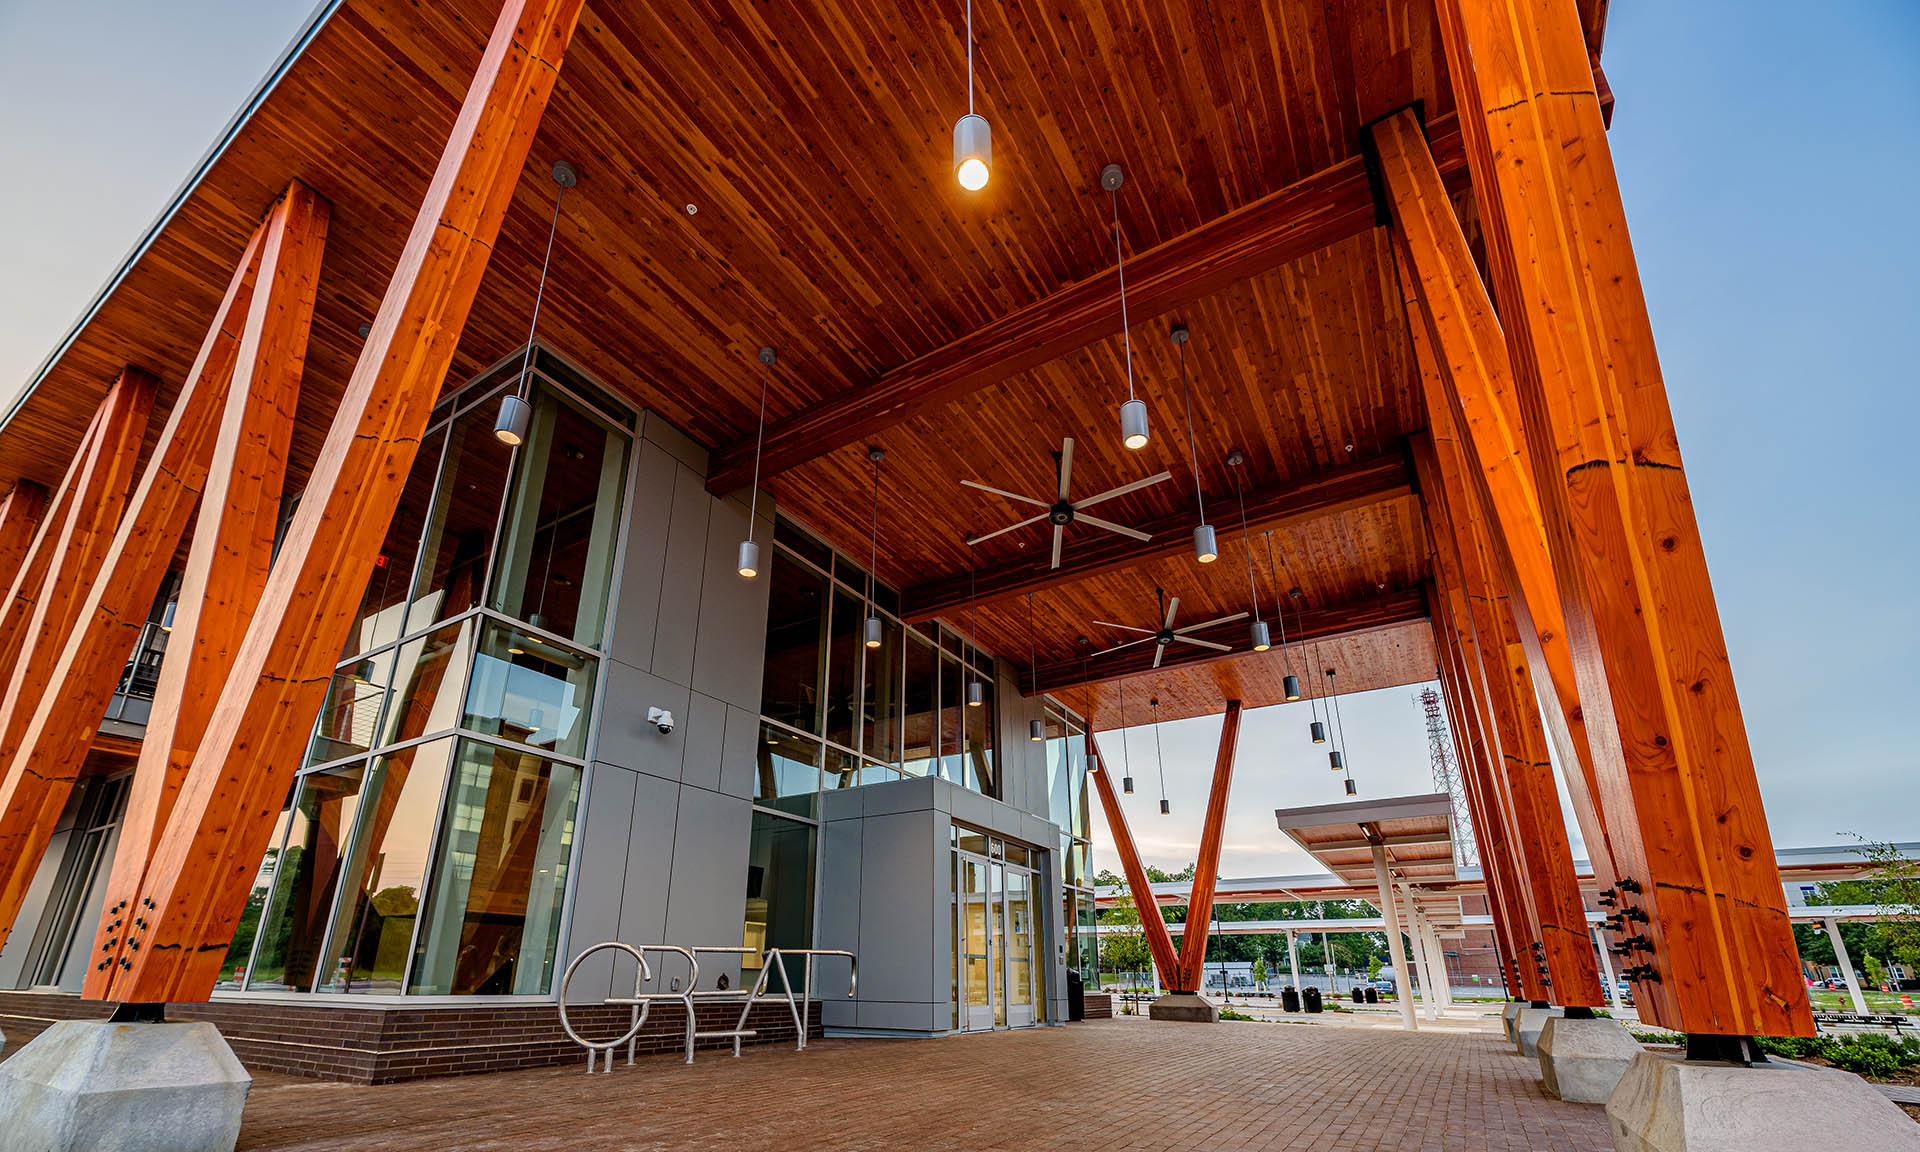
column 384, row 867
column 350, row 714
column 452, row 572
column 921, row 697
column 981, row 775
column 562, row 524
column 953, row 680
column 796, row 635
column 530, row 691
column 788, row 774
column 305, row 878
column 843, row 668
column 233, row 973
column 779, row 911
column 880, row 694
column 383, row 607
column 427, row 691
column 499, row 875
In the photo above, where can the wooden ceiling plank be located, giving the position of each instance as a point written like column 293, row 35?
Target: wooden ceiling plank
column 224, row 814
column 242, row 480
column 1276, row 506
column 1314, row 213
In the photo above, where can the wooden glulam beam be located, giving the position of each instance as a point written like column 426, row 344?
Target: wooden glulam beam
column 1332, row 205
column 27, row 580
column 239, row 508
column 1686, row 821
column 1206, row 868
column 1468, row 381
column 1097, row 552
column 37, row 777
column 19, row 518
column 206, row 858
column 1384, row 611
column 1152, row 922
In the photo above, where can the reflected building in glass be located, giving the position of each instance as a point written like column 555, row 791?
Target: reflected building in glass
column 484, row 796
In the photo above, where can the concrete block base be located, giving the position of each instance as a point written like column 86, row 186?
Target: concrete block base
column 98, row 1086
column 1665, row 1104
column 1186, row 1007
column 1509, row 1012
column 1527, row 1027
column 1582, row 1060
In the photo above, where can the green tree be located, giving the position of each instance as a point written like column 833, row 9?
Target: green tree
column 1374, row 965
column 1259, row 971
column 1892, row 885
column 1124, row 950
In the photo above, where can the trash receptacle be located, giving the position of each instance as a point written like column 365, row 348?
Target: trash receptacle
column 1289, row 999
column 1373, row 996
column 1310, row 999
column 1359, row 997
column 1076, row 995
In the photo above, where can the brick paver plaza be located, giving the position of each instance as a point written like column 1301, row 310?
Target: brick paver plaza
column 1104, row 1084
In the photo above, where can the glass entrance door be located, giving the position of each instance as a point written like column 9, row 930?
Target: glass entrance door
column 996, row 934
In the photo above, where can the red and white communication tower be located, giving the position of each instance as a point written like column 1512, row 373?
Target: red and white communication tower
column 1446, row 776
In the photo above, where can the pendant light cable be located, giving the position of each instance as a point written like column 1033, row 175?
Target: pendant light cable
column 969, row 57
column 1279, row 610
column 759, row 444
column 1120, row 266
column 540, row 293
column 1246, row 538
column 1033, row 667
column 1193, row 448
column 873, row 550
column 1158, row 761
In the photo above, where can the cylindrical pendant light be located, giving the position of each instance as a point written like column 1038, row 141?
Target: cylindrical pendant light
column 972, row 136
column 1165, row 808
column 1291, row 685
column 1319, row 732
column 1351, row 790
column 510, row 426
column 1133, row 413
column 750, row 548
column 1127, row 784
column 874, row 628
column 1257, row 631
column 1335, row 761
column 1205, row 548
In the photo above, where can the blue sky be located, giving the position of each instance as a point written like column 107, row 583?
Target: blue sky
column 1769, row 159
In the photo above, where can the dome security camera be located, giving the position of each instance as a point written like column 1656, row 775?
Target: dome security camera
column 660, row 718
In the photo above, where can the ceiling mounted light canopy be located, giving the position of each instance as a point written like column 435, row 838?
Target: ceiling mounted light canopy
column 749, row 565
column 510, row 426
column 972, row 135
column 1133, row 413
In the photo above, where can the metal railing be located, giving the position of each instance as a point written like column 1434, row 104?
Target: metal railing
column 799, row 1003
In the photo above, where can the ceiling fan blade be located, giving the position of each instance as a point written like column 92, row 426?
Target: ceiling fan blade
column 1057, row 531
column 1211, row 623
column 1034, row 519
column 1159, row 654
column 1066, row 465
column 1123, row 644
column 1173, row 606
column 1124, row 627
column 1120, row 491
column 1005, row 493
column 1082, row 518
column 1198, row 643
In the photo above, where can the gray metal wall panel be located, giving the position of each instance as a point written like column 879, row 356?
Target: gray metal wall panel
column 605, row 836
column 706, row 904
column 681, row 579
column 896, row 933
column 728, row 653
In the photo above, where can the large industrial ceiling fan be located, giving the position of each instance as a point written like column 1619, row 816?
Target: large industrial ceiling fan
column 1062, row 511
column 1167, row 634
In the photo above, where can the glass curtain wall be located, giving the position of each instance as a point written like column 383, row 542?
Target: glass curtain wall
column 424, row 849
column 837, row 714
column 1067, row 758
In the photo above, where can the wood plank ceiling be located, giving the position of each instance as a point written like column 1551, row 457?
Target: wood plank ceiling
column 778, row 174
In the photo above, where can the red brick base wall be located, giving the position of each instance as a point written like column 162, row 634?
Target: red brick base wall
column 381, row 1045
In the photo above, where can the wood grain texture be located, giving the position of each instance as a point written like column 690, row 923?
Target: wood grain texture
column 1471, row 384
column 1152, row 922
column 1684, row 811
column 19, row 520
column 239, row 509
column 1206, row 870
column 213, row 842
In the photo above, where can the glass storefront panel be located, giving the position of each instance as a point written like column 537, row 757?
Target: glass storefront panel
column 1058, row 802
column 779, row 907
column 452, row 572
column 880, row 712
column 530, row 691
column 428, row 696
column 796, row 630
column 981, row 775
column 233, row 972
column 383, row 606
column 922, row 695
column 350, row 715
column 305, row 879
column 843, row 668
column 1020, row 935
column 1077, row 782
column 499, row 875
column 952, row 703
column 384, row 870
column 788, row 775
column 561, row 531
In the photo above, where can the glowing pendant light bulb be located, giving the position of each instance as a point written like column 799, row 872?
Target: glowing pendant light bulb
column 972, row 136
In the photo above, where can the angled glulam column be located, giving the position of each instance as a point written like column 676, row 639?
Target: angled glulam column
column 23, row 587
column 1684, row 814
column 1152, row 923
column 1488, row 833
column 1493, row 827
column 1524, row 766
column 249, row 407
column 214, row 838
column 1470, row 375
column 78, row 544
column 1206, row 867
column 19, row 519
